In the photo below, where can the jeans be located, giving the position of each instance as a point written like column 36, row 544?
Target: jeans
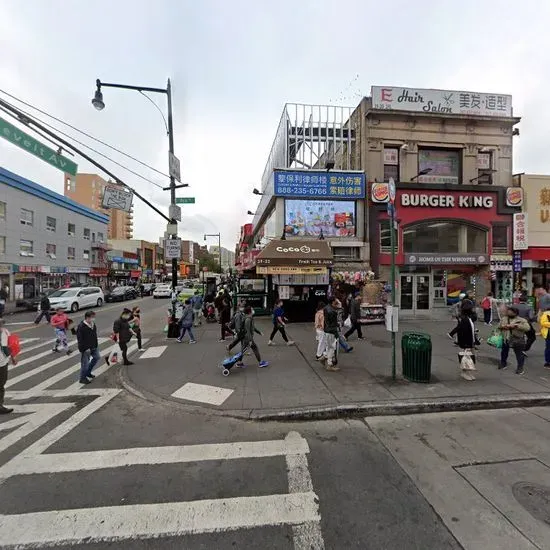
column 281, row 329
column 124, row 349
column 518, row 351
column 343, row 344
column 183, row 330
column 3, row 380
column 487, row 315
column 197, row 314
column 547, row 351
column 88, row 360
column 355, row 326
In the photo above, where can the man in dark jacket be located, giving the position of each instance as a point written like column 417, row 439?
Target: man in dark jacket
column 86, row 336
column 355, row 315
column 332, row 333
column 526, row 312
column 44, row 309
column 123, row 334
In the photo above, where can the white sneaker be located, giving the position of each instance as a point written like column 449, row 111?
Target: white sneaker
column 290, row 343
column 192, row 341
column 141, row 349
column 269, row 343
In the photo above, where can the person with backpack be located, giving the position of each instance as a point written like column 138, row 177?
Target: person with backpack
column 5, row 357
column 237, row 325
column 186, row 323
column 513, row 328
column 45, row 307
column 487, row 307
column 86, row 337
column 279, row 323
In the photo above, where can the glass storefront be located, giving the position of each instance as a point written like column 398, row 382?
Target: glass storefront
column 444, row 238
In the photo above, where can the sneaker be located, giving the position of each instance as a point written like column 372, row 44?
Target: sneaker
column 502, row 367
column 290, row 343
column 263, row 364
column 69, row 351
column 221, row 340
column 192, row 341
column 5, row 410
column 55, row 350
column 241, row 365
column 360, row 338
column 85, row 381
column 141, row 349
column 520, row 371
column 178, row 340
column 350, row 349
column 547, row 365
column 270, row 343
column 92, row 376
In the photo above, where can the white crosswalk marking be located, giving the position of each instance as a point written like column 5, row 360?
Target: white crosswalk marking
column 153, row 353
column 202, row 393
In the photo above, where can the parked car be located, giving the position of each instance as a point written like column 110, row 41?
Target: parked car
column 33, row 304
column 162, row 291
column 122, row 293
column 148, row 289
column 75, row 298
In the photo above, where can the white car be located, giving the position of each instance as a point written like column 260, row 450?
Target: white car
column 162, row 291
column 73, row 299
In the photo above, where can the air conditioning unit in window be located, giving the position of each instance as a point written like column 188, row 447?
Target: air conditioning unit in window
column 31, row 254
column 23, row 253
column 52, row 256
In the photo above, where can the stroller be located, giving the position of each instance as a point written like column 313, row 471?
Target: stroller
column 209, row 312
column 230, row 362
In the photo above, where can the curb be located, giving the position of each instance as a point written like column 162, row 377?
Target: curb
column 407, row 406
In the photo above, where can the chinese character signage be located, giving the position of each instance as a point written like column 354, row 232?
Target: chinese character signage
column 392, row 98
column 520, row 231
column 517, row 261
column 317, row 184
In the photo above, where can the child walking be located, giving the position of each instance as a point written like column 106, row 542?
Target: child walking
column 279, row 323
column 61, row 322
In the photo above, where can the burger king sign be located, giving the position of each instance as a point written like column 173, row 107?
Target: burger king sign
column 514, row 196
column 380, row 192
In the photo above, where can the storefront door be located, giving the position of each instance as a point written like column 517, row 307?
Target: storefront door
column 415, row 292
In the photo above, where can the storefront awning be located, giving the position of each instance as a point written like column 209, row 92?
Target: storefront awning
column 541, row 254
column 296, row 253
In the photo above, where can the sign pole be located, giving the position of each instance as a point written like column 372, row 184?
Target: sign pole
column 392, row 193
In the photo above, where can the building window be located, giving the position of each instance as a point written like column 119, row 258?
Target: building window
column 70, row 184
column 100, row 237
column 2, row 210
column 440, row 165
column 500, row 239
column 71, row 229
column 484, row 168
column 71, row 253
column 391, row 163
column 26, row 248
column 85, row 254
column 2, row 245
column 51, row 224
column 86, row 234
column 444, row 238
column 27, row 217
column 346, row 252
column 385, row 237
column 51, row 251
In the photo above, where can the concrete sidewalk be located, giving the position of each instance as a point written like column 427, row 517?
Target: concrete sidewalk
column 295, row 386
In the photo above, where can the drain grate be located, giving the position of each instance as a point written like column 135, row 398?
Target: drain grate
column 534, row 498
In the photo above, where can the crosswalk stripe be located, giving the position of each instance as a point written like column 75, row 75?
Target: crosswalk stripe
column 25, row 350
column 12, row 381
column 24, row 341
column 153, row 353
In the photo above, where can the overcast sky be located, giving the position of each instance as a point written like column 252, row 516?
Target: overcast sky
column 234, row 64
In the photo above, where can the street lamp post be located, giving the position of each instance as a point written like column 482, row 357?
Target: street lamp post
column 219, row 246
column 99, row 104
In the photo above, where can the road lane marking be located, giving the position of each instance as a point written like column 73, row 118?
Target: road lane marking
column 24, row 341
column 138, row 521
column 117, row 458
column 39, row 414
column 153, row 353
column 41, row 368
column 201, row 393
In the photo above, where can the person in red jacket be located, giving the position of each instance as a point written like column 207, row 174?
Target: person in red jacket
column 61, row 322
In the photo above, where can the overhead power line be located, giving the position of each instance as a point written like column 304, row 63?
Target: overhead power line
column 61, row 121
column 86, row 146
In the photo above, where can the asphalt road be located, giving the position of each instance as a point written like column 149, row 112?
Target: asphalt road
column 95, row 467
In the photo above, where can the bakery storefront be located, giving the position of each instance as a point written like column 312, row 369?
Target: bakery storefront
column 448, row 238
column 297, row 272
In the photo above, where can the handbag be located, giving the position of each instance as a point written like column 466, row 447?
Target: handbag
column 467, row 362
column 496, row 340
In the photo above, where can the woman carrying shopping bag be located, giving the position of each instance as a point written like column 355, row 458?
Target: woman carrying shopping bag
column 466, row 340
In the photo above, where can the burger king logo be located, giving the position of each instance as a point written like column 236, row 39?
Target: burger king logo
column 514, row 196
column 380, row 192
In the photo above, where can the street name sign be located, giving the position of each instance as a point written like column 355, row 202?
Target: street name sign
column 28, row 143
column 185, row 200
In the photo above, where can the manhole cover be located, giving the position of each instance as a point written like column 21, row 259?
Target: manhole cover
column 380, row 343
column 534, row 498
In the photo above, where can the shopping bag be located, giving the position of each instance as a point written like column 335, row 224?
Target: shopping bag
column 14, row 344
column 165, row 329
column 347, row 322
column 114, row 355
column 466, row 362
column 496, row 340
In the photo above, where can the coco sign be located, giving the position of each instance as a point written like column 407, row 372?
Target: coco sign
column 443, row 200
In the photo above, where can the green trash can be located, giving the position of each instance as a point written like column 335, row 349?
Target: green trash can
column 416, row 352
